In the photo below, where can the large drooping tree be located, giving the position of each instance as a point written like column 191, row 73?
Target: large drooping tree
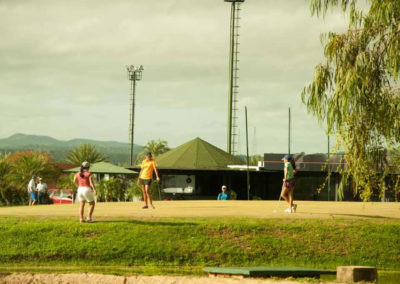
column 356, row 91
column 84, row 152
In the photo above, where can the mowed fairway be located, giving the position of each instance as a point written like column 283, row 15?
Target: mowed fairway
column 182, row 237
column 215, row 209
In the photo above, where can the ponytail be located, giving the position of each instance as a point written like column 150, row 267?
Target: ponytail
column 81, row 172
column 292, row 161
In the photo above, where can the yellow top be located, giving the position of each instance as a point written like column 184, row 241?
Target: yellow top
column 147, row 169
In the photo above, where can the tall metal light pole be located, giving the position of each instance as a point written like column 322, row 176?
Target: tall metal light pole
column 134, row 74
column 247, row 155
column 233, row 77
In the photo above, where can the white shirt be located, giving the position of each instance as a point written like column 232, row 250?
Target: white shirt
column 31, row 185
column 42, row 187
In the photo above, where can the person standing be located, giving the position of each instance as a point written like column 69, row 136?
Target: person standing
column 224, row 195
column 32, row 191
column 86, row 191
column 41, row 190
column 146, row 174
column 289, row 182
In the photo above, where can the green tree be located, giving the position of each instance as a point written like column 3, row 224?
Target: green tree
column 17, row 169
column 27, row 163
column 355, row 92
column 253, row 160
column 6, row 185
column 156, row 147
column 84, row 152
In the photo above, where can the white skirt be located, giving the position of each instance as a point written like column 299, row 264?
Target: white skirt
column 85, row 194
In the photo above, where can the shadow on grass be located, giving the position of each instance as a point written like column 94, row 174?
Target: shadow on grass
column 363, row 216
column 147, row 223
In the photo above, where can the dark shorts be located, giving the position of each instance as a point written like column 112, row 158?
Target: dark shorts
column 144, row 181
column 289, row 184
column 33, row 195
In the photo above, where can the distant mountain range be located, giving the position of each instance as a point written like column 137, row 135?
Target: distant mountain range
column 116, row 152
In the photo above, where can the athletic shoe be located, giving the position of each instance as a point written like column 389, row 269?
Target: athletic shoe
column 145, row 207
column 82, row 220
column 152, row 206
column 89, row 220
column 294, row 207
column 288, row 211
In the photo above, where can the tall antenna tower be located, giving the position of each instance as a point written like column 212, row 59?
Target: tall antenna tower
column 233, row 78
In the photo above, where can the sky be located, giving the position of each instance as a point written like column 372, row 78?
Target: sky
column 63, row 74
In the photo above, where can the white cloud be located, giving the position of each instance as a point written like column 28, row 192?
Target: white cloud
column 63, row 62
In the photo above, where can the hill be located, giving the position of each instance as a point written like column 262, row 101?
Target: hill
column 116, row 152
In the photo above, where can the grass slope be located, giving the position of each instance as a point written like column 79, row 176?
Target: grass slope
column 319, row 243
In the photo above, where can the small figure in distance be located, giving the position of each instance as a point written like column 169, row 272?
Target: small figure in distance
column 86, row 191
column 145, row 176
column 289, row 182
column 41, row 190
column 32, row 191
column 224, row 195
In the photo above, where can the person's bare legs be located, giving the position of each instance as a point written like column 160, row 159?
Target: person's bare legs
column 91, row 209
column 290, row 193
column 33, row 202
column 81, row 209
column 149, row 196
column 284, row 194
column 144, row 195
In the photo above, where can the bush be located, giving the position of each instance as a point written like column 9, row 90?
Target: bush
column 111, row 190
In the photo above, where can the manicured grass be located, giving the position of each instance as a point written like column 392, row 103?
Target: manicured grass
column 198, row 242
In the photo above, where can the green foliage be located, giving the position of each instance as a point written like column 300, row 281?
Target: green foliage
column 111, row 190
column 253, row 160
column 134, row 191
column 233, row 194
column 84, row 152
column 355, row 92
column 201, row 242
column 156, row 147
column 5, row 179
column 17, row 169
column 119, row 189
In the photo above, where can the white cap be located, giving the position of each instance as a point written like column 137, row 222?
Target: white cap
column 224, row 186
column 85, row 164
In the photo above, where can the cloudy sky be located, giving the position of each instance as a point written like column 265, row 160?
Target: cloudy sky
column 62, row 70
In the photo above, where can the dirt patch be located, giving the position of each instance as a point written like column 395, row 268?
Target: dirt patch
column 77, row 278
column 216, row 209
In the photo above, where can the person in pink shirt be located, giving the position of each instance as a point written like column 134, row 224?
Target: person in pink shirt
column 86, row 191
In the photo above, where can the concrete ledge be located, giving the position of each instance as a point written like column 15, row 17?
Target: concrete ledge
column 266, row 271
column 351, row 274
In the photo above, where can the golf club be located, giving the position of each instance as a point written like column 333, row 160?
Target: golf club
column 277, row 205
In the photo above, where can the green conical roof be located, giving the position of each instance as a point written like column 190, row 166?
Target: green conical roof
column 104, row 168
column 197, row 154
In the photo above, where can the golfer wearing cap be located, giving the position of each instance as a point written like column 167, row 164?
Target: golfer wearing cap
column 289, row 182
column 86, row 191
column 32, row 191
column 224, row 195
column 145, row 176
column 41, row 188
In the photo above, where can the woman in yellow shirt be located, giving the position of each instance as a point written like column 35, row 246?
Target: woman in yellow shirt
column 145, row 176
